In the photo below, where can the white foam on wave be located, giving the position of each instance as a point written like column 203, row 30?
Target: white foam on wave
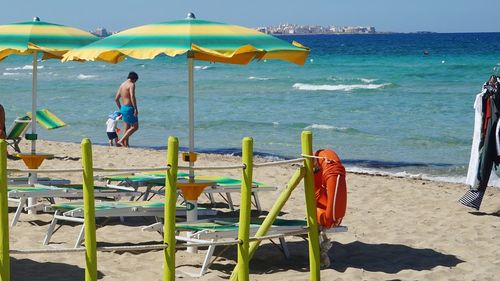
column 30, row 67
column 405, row 174
column 203, row 67
column 86, row 77
column 342, row 79
column 270, row 158
column 495, row 182
column 325, row 127
column 12, row 73
column 275, row 123
column 26, row 67
column 341, row 87
column 258, row 78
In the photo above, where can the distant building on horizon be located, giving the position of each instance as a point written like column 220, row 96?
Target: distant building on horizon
column 101, row 32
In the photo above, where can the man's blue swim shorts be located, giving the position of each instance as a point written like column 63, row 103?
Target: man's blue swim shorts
column 128, row 114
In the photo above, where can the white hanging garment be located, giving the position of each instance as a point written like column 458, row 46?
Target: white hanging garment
column 476, row 137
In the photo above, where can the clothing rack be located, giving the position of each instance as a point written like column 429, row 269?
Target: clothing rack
column 485, row 150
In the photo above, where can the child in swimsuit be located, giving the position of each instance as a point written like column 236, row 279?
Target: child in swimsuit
column 111, row 127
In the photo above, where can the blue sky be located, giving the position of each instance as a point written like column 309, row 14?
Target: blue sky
column 385, row 15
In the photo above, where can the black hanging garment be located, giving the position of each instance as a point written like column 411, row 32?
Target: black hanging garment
column 487, row 149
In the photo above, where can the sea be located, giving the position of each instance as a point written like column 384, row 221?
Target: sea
column 394, row 104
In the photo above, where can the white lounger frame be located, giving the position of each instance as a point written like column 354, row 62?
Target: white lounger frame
column 41, row 180
column 209, row 191
column 207, row 236
column 50, row 192
column 76, row 215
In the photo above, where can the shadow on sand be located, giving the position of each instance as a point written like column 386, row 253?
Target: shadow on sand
column 26, row 269
column 388, row 258
column 480, row 214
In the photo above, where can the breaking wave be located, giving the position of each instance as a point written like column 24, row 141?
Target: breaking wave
column 345, row 88
column 26, row 67
column 203, row 67
column 325, row 127
column 86, row 77
column 258, row 78
column 351, row 80
column 11, row 73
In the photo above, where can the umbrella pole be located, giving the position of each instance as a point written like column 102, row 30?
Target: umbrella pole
column 32, row 179
column 190, row 215
column 33, row 101
column 191, row 114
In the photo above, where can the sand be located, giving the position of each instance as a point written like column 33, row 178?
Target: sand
column 399, row 229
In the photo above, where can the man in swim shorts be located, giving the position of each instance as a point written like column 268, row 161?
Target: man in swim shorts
column 128, row 107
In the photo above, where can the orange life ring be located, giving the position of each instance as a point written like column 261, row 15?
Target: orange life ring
column 330, row 188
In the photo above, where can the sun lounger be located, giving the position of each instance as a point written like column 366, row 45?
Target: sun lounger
column 224, row 185
column 40, row 180
column 20, row 194
column 209, row 231
column 47, row 119
column 74, row 212
column 135, row 181
column 17, row 131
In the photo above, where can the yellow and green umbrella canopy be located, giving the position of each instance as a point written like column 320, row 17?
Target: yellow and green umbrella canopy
column 34, row 37
column 53, row 40
column 205, row 40
column 199, row 40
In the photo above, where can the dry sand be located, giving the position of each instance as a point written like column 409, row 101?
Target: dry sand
column 403, row 229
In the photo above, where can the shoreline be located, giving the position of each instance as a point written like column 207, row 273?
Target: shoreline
column 366, row 167
column 362, row 167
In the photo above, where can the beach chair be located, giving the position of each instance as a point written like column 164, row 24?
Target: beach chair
column 212, row 230
column 17, row 131
column 47, row 119
column 13, row 181
column 20, row 194
column 227, row 185
column 74, row 212
column 135, row 182
column 224, row 185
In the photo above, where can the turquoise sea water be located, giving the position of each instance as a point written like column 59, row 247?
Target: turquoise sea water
column 375, row 99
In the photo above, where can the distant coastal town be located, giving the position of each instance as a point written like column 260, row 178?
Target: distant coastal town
column 294, row 29
column 285, row 29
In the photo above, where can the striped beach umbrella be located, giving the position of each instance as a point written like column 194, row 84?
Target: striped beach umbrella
column 35, row 37
column 198, row 40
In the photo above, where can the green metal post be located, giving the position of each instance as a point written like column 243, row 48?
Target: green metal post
column 4, row 215
column 273, row 214
column 245, row 209
column 170, row 201
column 89, row 212
column 314, row 254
